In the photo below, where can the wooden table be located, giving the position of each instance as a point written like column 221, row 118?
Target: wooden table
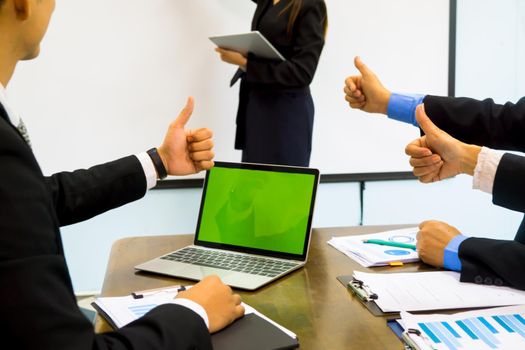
column 310, row 301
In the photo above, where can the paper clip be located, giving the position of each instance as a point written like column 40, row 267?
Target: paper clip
column 362, row 290
column 407, row 339
column 141, row 294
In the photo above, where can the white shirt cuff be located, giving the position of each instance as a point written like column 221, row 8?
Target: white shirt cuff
column 149, row 169
column 485, row 171
column 197, row 308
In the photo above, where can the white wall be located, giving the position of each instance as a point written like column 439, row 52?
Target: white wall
column 490, row 56
column 491, row 49
column 113, row 74
column 406, row 47
column 452, row 201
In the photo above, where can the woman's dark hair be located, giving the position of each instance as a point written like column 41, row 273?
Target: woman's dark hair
column 295, row 7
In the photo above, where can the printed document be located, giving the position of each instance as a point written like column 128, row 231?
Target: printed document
column 440, row 290
column 495, row 328
column 368, row 255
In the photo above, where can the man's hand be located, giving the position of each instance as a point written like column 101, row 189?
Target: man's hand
column 365, row 91
column 437, row 155
column 221, row 305
column 232, row 57
column 184, row 151
column 432, row 239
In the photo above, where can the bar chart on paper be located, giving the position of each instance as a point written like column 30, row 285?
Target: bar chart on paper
column 141, row 310
column 500, row 328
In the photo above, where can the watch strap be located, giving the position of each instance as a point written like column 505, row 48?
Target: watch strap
column 157, row 162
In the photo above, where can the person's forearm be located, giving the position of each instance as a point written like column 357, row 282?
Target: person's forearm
column 384, row 101
column 469, row 159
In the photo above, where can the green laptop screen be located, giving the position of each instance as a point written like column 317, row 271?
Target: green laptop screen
column 257, row 209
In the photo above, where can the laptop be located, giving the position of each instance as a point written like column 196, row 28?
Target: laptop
column 254, row 226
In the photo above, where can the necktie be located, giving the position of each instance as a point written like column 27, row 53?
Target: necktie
column 23, row 131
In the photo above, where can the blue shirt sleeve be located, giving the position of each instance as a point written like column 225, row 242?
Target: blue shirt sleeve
column 403, row 107
column 451, row 258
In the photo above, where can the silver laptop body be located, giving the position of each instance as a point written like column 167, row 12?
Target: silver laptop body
column 254, row 226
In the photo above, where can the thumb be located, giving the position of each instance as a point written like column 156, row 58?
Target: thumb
column 363, row 68
column 428, row 127
column 185, row 114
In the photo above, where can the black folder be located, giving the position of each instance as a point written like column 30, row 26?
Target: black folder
column 254, row 333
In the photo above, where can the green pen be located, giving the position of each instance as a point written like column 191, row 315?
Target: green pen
column 391, row 244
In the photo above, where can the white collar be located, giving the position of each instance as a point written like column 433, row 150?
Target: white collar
column 13, row 117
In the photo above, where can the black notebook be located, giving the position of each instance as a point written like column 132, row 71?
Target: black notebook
column 254, row 331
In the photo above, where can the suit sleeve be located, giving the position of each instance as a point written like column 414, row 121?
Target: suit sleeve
column 490, row 261
column 41, row 313
column 39, row 309
column 299, row 69
column 508, row 190
column 483, row 123
column 83, row 194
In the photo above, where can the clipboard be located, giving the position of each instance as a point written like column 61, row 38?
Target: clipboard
column 395, row 327
column 368, row 301
column 251, row 42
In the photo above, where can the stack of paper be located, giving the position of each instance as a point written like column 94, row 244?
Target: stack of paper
column 497, row 328
column 369, row 255
column 440, row 290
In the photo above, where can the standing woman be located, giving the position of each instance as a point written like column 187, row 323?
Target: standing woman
column 276, row 111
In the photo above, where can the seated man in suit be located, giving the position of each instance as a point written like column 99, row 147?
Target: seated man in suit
column 440, row 154
column 39, row 307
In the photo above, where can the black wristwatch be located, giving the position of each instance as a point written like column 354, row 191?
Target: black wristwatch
column 157, row 162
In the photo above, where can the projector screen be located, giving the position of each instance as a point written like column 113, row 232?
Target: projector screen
column 113, row 74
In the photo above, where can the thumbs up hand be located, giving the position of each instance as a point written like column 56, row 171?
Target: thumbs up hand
column 437, row 155
column 365, row 91
column 186, row 151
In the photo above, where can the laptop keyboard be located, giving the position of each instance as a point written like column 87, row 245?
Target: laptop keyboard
column 234, row 262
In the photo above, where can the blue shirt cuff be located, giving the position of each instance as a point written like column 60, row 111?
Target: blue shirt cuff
column 451, row 258
column 402, row 107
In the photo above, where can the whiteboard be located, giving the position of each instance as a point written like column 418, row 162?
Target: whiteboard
column 113, row 74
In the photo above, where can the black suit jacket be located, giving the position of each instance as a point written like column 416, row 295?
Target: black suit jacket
column 302, row 50
column 39, row 309
column 496, row 126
